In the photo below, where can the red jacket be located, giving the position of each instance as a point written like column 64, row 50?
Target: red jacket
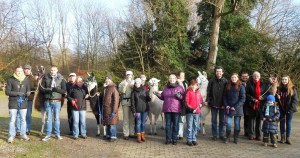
column 193, row 99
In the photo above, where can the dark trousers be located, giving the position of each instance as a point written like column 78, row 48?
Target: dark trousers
column 172, row 125
column 254, row 126
column 70, row 118
column 271, row 135
column 246, row 122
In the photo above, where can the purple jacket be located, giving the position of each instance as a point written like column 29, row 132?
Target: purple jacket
column 171, row 102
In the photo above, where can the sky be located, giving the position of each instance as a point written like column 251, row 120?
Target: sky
column 296, row 2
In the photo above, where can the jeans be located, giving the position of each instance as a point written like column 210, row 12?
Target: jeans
column 55, row 108
column 111, row 131
column 192, row 126
column 181, row 126
column 79, row 118
column 214, row 117
column 237, row 120
column 12, row 123
column 140, row 122
column 285, row 119
column 28, row 115
column 18, row 122
column 172, row 125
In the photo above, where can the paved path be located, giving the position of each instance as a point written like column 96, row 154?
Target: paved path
column 155, row 147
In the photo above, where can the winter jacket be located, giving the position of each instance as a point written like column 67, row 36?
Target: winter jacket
column 270, row 126
column 193, row 101
column 53, row 93
column 69, row 86
column 125, row 89
column 250, row 97
column 110, row 104
column 235, row 99
column 78, row 94
column 15, row 89
column 171, row 102
column 291, row 102
column 139, row 100
column 215, row 91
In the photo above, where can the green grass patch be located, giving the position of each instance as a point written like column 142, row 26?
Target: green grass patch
column 33, row 148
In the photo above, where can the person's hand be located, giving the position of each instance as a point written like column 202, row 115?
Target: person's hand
column 227, row 107
column 194, row 111
column 270, row 119
column 98, row 94
column 112, row 115
column 261, row 98
column 206, row 103
column 28, row 93
column 264, row 119
column 232, row 108
column 86, row 96
column 73, row 101
column 255, row 100
column 178, row 95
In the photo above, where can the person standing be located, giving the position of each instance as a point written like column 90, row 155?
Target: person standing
column 69, row 85
column 182, row 82
column 215, row 91
column 244, row 80
column 17, row 89
column 53, row 87
column 288, row 100
column 77, row 96
column 193, row 101
column 110, row 108
column 143, row 77
column 172, row 95
column 125, row 89
column 140, row 108
column 256, row 93
column 234, row 98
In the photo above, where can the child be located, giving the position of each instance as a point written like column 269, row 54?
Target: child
column 270, row 115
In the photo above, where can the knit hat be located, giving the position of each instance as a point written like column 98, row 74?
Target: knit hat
column 271, row 98
column 72, row 74
column 129, row 73
column 109, row 76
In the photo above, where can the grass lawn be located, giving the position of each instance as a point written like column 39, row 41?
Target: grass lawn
column 33, row 148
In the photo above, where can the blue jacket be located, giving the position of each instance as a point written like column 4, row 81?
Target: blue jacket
column 270, row 122
column 235, row 99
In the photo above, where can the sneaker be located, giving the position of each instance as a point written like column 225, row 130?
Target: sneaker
column 265, row 144
column 174, row 142
column 214, row 138
column 112, row 139
column 194, row 143
column 59, row 137
column 126, row 137
column 18, row 134
column 189, row 143
column 10, row 139
column 25, row 137
column 168, row 142
column 84, row 137
column 180, row 138
column 46, row 138
column 75, row 138
column 28, row 133
column 275, row 145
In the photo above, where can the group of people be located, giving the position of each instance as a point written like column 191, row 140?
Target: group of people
column 257, row 101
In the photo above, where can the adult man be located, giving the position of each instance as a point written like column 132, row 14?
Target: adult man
column 244, row 80
column 215, row 89
column 17, row 89
column 184, row 84
column 53, row 87
column 69, row 85
column 125, row 89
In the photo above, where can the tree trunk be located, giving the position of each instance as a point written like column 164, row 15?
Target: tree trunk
column 213, row 51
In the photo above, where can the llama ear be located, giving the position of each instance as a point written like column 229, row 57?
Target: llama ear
column 199, row 73
column 88, row 73
column 204, row 73
column 158, row 81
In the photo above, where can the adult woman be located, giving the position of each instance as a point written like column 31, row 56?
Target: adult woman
column 287, row 95
column 234, row 98
column 256, row 93
column 172, row 95
column 139, row 108
column 77, row 96
column 193, row 100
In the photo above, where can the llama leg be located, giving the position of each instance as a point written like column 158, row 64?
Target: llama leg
column 98, row 124
column 163, row 122
column 104, row 131
column 155, row 121
column 150, row 118
column 43, row 116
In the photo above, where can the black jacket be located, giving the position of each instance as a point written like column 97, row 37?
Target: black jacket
column 139, row 100
column 215, row 91
column 51, row 93
column 14, row 89
column 79, row 94
column 292, row 101
column 250, row 97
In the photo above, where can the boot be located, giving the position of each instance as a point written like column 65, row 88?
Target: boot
column 282, row 139
column 236, row 136
column 138, row 136
column 288, row 141
column 228, row 132
column 143, row 136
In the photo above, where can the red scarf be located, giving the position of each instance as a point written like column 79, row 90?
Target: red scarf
column 257, row 94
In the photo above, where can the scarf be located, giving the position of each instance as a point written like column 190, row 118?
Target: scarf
column 283, row 97
column 19, row 78
column 257, row 94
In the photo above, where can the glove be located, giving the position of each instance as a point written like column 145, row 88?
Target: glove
column 178, row 95
column 20, row 94
column 54, row 89
column 28, row 94
column 112, row 115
